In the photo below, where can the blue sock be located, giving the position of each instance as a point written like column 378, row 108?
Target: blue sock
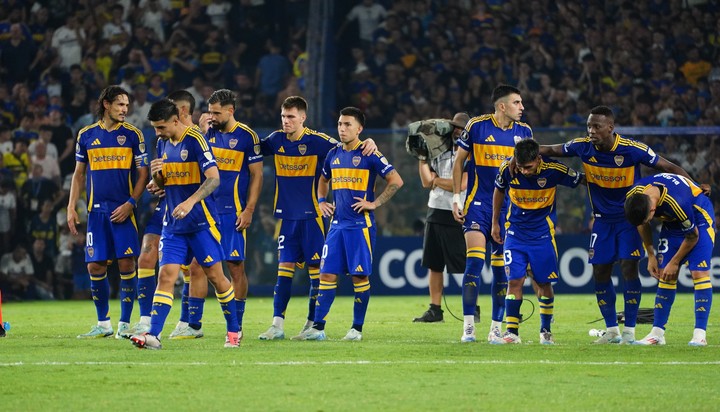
column 240, row 308
column 498, row 288
column 229, row 310
column 326, row 296
column 100, row 289
column 605, row 295
column 471, row 279
column 196, row 307
column 283, row 288
column 633, row 291
column 162, row 303
column 128, row 288
column 314, row 285
column 512, row 320
column 547, row 305
column 362, row 298
column 145, row 290
column 663, row 302
column 184, row 313
column 703, row 301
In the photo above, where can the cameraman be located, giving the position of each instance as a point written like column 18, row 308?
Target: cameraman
column 443, row 241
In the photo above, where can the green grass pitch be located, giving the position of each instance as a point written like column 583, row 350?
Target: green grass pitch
column 399, row 366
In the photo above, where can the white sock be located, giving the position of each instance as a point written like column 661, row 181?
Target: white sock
column 657, row 331
column 495, row 324
column 613, row 329
column 309, row 323
column 105, row 324
column 144, row 320
column 469, row 319
column 279, row 322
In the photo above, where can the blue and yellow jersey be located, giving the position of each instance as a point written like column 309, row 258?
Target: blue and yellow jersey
column 297, row 170
column 611, row 174
column 353, row 175
column 234, row 152
column 184, row 166
column 682, row 205
column 489, row 146
column 532, row 211
column 112, row 157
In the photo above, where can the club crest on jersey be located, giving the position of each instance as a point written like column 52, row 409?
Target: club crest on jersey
column 660, row 259
column 233, row 143
column 121, row 139
column 183, row 154
column 90, row 251
column 302, row 149
column 142, row 147
column 507, row 270
column 256, row 149
column 356, row 161
column 542, row 182
column 619, row 160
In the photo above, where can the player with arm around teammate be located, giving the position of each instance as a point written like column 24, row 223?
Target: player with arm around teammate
column 530, row 234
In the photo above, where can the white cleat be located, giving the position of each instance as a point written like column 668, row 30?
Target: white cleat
column 495, row 337
column 511, row 338
column 353, row 335
column 546, row 338
column 272, row 333
column 468, row 334
column 650, row 340
column 610, row 337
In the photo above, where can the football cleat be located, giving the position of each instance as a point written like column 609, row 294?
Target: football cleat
column 609, row 337
column 494, row 337
column 146, row 341
column 123, row 327
column 628, row 337
column 311, row 334
column 650, row 340
column 97, row 331
column 511, row 338
column 430, row 316
column 468, row 334
column 272, row 333
column 187, row 333
column 546, row 338
column 232, row 340
column 353, row 335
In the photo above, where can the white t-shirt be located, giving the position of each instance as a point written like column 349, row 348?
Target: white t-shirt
column 12, row 268
column 217, row 13
column 443, row 166
column 50, row 166
column 67, row 43
column 368, row 19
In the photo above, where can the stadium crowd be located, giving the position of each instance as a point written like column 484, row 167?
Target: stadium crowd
column 656, row 63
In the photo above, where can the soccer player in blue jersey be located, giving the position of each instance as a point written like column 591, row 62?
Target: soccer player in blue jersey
column 687, row 237
column 612, row 165
column 299, row 154
column 530, row 234
column 148, row 258
column 186, row 169
column 349, row 243
column 237, row 151
column 487, row 141
column 112, row 162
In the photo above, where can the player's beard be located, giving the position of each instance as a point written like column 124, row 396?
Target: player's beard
column 116, row 119
column 218, row 125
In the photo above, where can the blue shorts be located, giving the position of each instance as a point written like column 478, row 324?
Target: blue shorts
column 539, row 254
column 700, row 256
column 480, row 220
column 181, row 248
column 106, row 240
column 610, row 242
column 348, row 251
column 233, row 242
column 301, row 240
column 155, row 224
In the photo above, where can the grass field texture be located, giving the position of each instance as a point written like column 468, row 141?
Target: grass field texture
column 399, row 366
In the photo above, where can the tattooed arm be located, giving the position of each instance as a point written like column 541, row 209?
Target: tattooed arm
column 212, row 181
column 394, row 183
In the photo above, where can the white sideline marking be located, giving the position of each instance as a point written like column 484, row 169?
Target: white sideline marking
column 361, row 362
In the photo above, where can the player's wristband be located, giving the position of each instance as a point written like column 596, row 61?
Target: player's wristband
column 456, row 199
column 132, row 202
column 322, row 199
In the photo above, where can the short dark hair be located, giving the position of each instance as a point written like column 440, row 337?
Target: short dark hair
column 503, row 90
column 354, row 112
column 183, row 96
column 224, row 97
column 109, row 94
column 637, row 208
column 603, row 111
column 161, row 110
column 296, row 102
column 526, row 150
